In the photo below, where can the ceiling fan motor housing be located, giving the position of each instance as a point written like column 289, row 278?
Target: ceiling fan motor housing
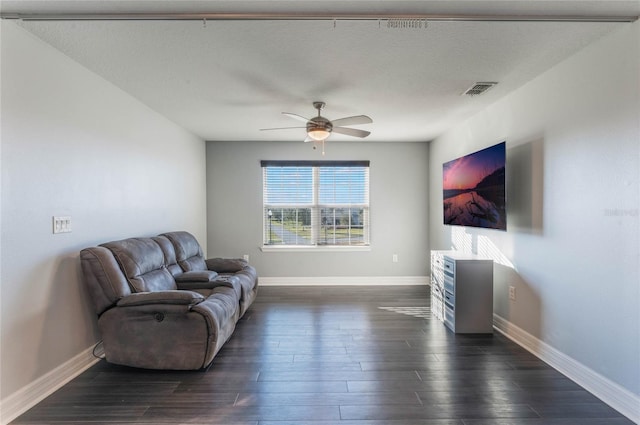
column 319, row 123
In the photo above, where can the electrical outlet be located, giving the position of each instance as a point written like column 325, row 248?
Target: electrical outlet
column 394, row 258
column 512, row 293
column 246, row 257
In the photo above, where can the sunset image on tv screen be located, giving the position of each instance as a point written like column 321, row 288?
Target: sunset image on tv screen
column 473, row 188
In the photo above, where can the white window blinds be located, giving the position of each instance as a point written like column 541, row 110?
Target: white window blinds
column 316, row 203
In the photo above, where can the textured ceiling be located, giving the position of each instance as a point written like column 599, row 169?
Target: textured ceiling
column 225, row 80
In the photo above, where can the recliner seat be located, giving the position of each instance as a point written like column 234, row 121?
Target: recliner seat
column 161, row 304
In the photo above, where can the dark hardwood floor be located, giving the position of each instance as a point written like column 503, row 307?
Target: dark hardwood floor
column 336, row 355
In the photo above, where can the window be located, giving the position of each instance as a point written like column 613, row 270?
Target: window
column 316, row 203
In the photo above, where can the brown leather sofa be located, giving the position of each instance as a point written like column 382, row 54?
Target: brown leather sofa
column 161, row 304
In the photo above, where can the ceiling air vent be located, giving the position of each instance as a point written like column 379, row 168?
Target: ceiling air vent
column 479, row 88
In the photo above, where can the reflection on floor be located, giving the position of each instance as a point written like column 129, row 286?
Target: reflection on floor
column 423, row 312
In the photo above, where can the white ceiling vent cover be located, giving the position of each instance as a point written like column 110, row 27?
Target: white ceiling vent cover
column 478, row 88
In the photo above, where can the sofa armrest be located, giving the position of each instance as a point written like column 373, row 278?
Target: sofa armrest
column 196, row 280
column 161, row 297
column 226, row 265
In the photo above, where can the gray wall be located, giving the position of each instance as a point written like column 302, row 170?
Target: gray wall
column 74, row 144
column 398, row 201
column 573, row 168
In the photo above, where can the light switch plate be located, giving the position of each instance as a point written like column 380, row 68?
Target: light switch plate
column 62, row 224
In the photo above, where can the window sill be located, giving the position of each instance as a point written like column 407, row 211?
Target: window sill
column 293, row 248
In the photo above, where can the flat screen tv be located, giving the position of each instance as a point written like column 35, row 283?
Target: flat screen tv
column 473, row 188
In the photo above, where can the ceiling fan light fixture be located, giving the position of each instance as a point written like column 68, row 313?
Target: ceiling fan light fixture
column 318, row 133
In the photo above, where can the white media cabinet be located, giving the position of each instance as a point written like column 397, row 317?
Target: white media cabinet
column 462, row 291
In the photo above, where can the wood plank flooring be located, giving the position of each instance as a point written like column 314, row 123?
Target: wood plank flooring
column 336, row 355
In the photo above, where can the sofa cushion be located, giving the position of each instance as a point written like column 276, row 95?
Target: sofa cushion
column 189, row 254
column 170, row 261
column 104, row 278
column 143, row 264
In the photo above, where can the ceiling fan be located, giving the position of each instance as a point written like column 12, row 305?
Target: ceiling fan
column 320, row 128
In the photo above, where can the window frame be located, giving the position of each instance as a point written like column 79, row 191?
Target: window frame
column 316, row 207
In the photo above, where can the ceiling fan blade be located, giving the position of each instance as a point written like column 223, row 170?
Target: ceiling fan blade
column 280, row 128
column 351, row 131
column 295, row 116
column 354, row 120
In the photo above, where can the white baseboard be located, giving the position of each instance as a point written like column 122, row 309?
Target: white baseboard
column 345, row 281
column 619, row 398
column 27, row 397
